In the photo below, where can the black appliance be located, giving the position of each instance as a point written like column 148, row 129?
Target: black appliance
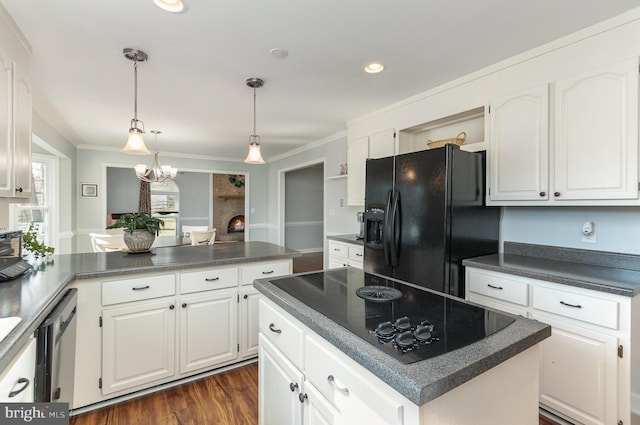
column 55, row 353
column 405, row 321
column 424, row 213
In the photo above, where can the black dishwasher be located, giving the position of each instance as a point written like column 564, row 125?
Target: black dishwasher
column 56, row 347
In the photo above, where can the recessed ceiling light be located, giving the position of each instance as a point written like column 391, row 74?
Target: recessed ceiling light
column 279, row 53
column 170, row 5
column 373, row 67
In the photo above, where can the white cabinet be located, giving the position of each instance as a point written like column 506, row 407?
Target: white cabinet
column 589, row 156
column 208, row 329
column 518, row 160
column 15, row 130
column 16, row 381
column 248, row 323
column 137, row 344
column 586, row 363
column 378, row 145
column 343, row 254
column 596, row 134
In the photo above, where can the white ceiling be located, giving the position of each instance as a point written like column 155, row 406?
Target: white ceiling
column 193, row 89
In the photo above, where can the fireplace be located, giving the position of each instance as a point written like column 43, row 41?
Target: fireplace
column 236, row 224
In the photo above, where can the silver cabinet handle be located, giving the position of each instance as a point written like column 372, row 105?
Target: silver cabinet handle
column 494, row 287
column 273, row 329
column 333, row 383
column 24, row 381
column 211, row 279
column 140, row 288
column 571, row 305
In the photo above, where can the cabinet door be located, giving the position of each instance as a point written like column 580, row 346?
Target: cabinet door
column 138, row 344
column 357, row 154
column 6, row 118
column 16, row 382
column 578, row 373
column 279, row 386
column 208, row 329
column 519, row 146
column 337, row 262
column 317, row 410
column 382, row 144
column 22, row 134
column 596, row 134
column 249, row 326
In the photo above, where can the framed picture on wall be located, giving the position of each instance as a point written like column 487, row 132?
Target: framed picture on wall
column 89, row 190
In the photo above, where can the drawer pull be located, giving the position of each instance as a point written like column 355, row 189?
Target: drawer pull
column 140, row 288
column 571, row 305
column 494, row 287
column 333, row 383
column 24, row 381
column 293, row 386
column 269, row 272
column 273, row 329
column 211, row 279
column 171, row 307
column 302, row 397
column 358, row 254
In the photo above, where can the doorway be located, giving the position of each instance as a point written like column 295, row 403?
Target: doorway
column 229, row 207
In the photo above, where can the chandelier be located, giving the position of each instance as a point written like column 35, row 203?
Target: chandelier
column 254, row 156
column 135, row 143
column 160, row 172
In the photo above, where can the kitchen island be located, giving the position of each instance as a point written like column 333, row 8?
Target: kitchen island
column 171, row 272
column 307, row 333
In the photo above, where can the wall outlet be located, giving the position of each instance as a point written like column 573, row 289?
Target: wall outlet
column 589, row 232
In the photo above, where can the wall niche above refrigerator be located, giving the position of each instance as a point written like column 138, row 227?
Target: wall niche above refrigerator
column 471, row 122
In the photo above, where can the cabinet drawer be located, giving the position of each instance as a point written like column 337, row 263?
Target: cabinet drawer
column 338, row 249
column 342, row 384
column 499, row 287
column 356, row 253
column 582, row 307
column 264, row 270
column 142, row 288
column 21, row 367
column 204, row 280
column 282, row 332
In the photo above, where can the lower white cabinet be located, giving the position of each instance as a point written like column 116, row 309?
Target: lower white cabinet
column 342, row 254
column 137, row 344
column 586, row 364
column 249, row 298
column 208, row 329
column 16, row 381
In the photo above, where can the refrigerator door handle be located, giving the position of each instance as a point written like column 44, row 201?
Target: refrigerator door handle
column 386, row 230
column 394, row 235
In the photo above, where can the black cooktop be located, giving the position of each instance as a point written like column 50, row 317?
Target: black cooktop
column 406, row 322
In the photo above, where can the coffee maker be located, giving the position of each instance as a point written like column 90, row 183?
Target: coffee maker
column 360, row 218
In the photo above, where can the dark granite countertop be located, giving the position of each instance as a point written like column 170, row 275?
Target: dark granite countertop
column 425, row 380
column 601, row 271
column 33, row 296
column 347, row 239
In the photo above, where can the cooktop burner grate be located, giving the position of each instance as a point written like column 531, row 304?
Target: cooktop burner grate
column 377, row 293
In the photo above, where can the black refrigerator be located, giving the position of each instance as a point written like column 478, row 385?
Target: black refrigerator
column 424, row 213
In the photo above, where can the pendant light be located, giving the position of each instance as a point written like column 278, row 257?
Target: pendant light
column 160, row 172
column 254, row 156
column 135, row 143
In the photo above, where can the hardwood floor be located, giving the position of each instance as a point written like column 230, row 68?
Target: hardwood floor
column 229, row 398
column 308, row 262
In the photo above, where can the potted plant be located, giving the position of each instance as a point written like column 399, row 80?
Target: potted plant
column 140, row 230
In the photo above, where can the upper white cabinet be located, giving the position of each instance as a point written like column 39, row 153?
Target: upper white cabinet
column 596, row 134
column 377, row 145
column 518, row 161
column 15, row 130
column 589, row 156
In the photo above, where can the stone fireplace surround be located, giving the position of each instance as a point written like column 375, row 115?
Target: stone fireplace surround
column 228, row 202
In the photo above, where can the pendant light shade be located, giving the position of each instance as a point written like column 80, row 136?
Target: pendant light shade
column 135, row 143
column 254, row 156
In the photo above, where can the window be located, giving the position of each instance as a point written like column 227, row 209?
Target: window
column 165, row 203
column 40, row 209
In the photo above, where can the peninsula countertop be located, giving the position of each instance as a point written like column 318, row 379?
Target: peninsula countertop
column 424, row 380
column 33, row 296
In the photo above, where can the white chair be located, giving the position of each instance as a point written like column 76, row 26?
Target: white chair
column 186, row 230
column 103, row 242
column 205, row 237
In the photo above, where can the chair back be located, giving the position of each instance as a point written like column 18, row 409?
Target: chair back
column 186, row 230
column 205, row 237
column 107, row 242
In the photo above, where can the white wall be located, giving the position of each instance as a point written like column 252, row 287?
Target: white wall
column 304, row 209
column 600, row 45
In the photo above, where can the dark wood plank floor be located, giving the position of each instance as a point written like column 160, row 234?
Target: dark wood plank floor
column 229, row 398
